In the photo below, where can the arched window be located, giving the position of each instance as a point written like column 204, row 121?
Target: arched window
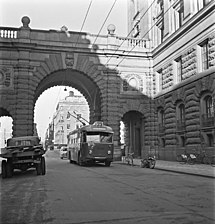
column 180, row 116
column 161, row 120
column 207, row 111
column 181, row 112
column 209, row 108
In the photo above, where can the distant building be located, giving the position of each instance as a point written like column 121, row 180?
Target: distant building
column 64, row 122
column 35, row 133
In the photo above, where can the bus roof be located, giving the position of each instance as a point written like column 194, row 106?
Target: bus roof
column 98, row 126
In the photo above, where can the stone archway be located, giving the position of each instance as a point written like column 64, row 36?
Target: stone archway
column 134, row 132
column 78, row 80
column 52, row 71
column 4, row 112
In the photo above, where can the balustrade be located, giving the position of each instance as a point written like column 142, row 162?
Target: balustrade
column 132, row 42
column 9, row 33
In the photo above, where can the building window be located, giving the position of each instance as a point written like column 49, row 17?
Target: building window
column 176, row 15
column 209, row 106
column 196, row 5
column 158, row 17
column 125, row 85
column 210, row 140
column 182, row 112
column 163, row 143
column 203, row 56
column 207, row 111
column 136, row 29
column 161, row 117
column 132, row 83
column 180, row 116
column 178, row 70
column 159, row 76
column 183, row 140
column 161, row 121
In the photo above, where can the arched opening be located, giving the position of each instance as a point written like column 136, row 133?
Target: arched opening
column 51, row 114
column 79, row 81
column 134, row 132
column 6, row 124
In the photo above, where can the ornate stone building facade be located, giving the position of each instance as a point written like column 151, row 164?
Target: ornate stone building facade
column 182, row 34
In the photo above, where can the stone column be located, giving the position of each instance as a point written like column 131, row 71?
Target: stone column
column 23, row 115
column 110, row 105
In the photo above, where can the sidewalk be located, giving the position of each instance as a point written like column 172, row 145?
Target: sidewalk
column 204, row 170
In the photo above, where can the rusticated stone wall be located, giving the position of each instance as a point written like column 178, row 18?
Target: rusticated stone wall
column 189, row 63
column 167, row 76
column 190, row 94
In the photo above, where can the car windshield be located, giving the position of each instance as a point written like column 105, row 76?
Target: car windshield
column 30, row 141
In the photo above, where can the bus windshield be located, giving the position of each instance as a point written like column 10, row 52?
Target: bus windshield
column 99, row 137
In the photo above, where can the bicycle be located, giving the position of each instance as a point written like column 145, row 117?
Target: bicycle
column 148, row 162
column 129, row 158
column 201, row 157
column 185, row 158
column 212, row 160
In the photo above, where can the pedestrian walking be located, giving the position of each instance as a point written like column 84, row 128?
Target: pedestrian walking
column 123, row 152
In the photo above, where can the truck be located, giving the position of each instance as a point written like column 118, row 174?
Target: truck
column 23, row 153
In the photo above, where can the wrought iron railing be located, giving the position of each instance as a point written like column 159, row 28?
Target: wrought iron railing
column 207, row 121
column 180, row 125
column 161, row 128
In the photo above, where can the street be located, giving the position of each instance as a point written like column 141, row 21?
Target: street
column 69, row 194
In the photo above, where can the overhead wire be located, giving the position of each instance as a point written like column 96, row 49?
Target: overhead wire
column 131, row 30
column 64, row 29
column 104, row 21
column 88, row 9
column 140, row 39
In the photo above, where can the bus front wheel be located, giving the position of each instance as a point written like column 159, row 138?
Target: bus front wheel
column 80, row 163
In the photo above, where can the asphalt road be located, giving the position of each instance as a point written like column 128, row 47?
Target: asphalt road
column 118, row 194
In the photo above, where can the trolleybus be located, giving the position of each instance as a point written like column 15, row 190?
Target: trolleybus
column 91, row 144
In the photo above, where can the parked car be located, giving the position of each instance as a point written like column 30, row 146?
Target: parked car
column 63, row 152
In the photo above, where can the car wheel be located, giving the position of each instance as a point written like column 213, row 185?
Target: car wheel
column 43, row 166
column 4, row 169
column 152, row 164
column 38, row 168
column 9, row 169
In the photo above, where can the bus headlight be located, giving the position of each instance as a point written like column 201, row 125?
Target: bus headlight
column 90, row 151
column 109, row 152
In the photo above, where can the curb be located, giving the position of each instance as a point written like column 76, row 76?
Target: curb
column 177, row 170
column 183, row 172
